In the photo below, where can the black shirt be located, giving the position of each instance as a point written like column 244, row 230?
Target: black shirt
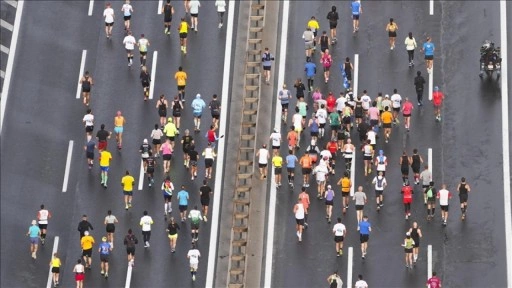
column 333, row 17
column 419, row 81
column 205, row 192
column 300, row 89
column 83, row 226
column 102, row 135
column 150, row 161
column 173, row 228
column 193, row 155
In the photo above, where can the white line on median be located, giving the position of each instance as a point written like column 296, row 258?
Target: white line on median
column 6, row 25
column 429, row 261
column 349, row 266
column 91, row 5
column 429, row 161
column 12, row 3
column 273, row 193
column 128, row 276
column 68, row 166
column 353, row 173
column 212, row 253
column 356, row 75
column 160, row 5
column 153, row 72
column 50, row 274
column 81, row 73
column 431, row 83
column 141, row 175
column 10, row 60
column 505, row 141
column 431, row 7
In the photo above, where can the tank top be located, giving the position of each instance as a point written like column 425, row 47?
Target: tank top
column 359, row 108
column 324, row 42
column 462, row 189
column 176, row 107
column 43, row 216
column 86, row 84
column 347, row 68
column 314, row 126
column 299, row 214
column 167, row 11
column 367, row 150
column 405, row 162
column 161, row 105
column 332, row 147
column 416, row 161
column 348, row 151
column 183, row 27
column 414, row 234
column 330, row 195
column 166, row 149
column 119, row 121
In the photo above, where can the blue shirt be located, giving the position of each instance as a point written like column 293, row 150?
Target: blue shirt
column 356, row 7
column 330, row 195
column 290, row 161
column 364, row 227
column 90, row 146
column 310, row 68
column 183, row 198
column 266, row 59
column 33, row 231
column 104, row 248
column 198, row 105
column 429, row 47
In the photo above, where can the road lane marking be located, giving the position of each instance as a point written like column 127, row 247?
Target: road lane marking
column 68, row 166
column 141, row 175
column 431, row 83
column 212, row 258
column 10, row 60
column 160, row 5
column 54, row 250
column 6, row 25
column 353, row 174
column 153, row 72
column 505, row 141
column 356, row 75
column 349, row 266
column 4, row 49
column 431, row 7
column 429, row 161
column 81, row 73
column 429, row 261
column 2, row 74
column 128, row 276
column 12, row 3
column 91, row 5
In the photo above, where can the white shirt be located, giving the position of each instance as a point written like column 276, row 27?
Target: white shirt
column 366, row 100
column 276, row 139
column 382, row 183
column 299, row 214
column 221, row 5
column 361, row 284
column 194, row 215
column 89, row 120
column 146, row 222
column 396, row 99
column 110, row 219
column 410, row 44
column 326, row 153
column 381, row 163
column 340, row 103
column 263, row 156
column 321, row 171
column 129, row 42
column 108, row 13
column 208, row 153
column 372, row 136
column 79, row 268
column 193, row 255
column 43, row 216
column 322, row 116
column 127, row 9
column 143, row 44
column 444, row 196
column 339, row 229
column 194, row 6
column 156, row 134
column 297, row 120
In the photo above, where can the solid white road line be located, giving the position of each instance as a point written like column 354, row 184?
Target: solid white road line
column 10, row 59
column 128, row 276
column 429, row 261
column 50, row 274
column 505, row 141
column 269, row 252
column 349, row 266
column 81, row 73
column 6, row 25
column 160, row 5
column 68, row 166
column 12, row 3
column 356, row 75
column 429, row 161
column 4, row 49
column 353, row 173
column 91, row 5
column 212, row 254
column 431, row 83
column 431, row 7
column 153, row 72
column 141, row 175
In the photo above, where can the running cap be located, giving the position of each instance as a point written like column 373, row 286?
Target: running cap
column 386, row 96
column 275, row 130
column 329, row 187
column 86, row 233
column 169, row 119
column 436, row 88
column 104, row 239
column 198, row 96
column 145, row 141
column 34, row 222
column 407, row 234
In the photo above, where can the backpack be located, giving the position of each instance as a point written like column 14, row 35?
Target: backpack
column 267, row 57
column 334, row 283
column 430, row 193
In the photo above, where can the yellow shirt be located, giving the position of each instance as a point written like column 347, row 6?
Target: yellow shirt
column 181, row 78
column 119, row 121
column 277, row 161
column 105, row 158
column 183, row 27
column 313, row 24
column 56, row 262
column 87, row 242
column 345, row 185
column 127, row 182
column 386, row 117
column 170, row 129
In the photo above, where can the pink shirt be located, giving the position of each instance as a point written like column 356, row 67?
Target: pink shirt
column 373, row 112
column 166, row 149
column 316, row 96
column 407, row 108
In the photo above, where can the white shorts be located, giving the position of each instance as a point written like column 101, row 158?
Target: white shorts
column 193, row 266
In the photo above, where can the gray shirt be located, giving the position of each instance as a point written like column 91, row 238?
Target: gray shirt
column 360, row 198
column 426, row 177
column 308, row 36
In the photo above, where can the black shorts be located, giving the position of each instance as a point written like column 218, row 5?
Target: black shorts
column 335, row 127
column 408, row 250
column 355, row 17
column 143, row 53
column 157, row 142
column 167, row 157
column 84, row 90
column 181, row 87
column 130, row 250
column 276, row 147
column 396, row 109
column 347, row 120
column 386, row 125
column 167, row 197
column 299, row 221
column 208, row 163
column 363, row 238
column 333, row 25
column 415, row 169
column 321, row 125
column 130, row 51
column 444, row 208
column 194, row 15
column 392, row 33
column 462, row 197
column 183, row 35
column 260, row 165
column 374, row 122
column 162, row 113
column 266, row 68
column 216, row 115
column 55, row 269
column 104, row 258
column 329, row 203
column 406, row 115
column 429, row 57
column 431, row 200
column 416, row 243
column 367, row 157
column 167, row 20
column 128, row 193
column 126, row 18
column 338, row 239
column 405, row 170
column 194, row 226
column 150, row 170
column 110, row 228
column 306, row 171
column 290, row 170
column 359, row 207
column 314, row 133
column 205, row 201
column 176, row 113
column 183, row 208
column 109, row 24
column 378, row 193
column 87, row 252
column 284, row 106
column 43, row 226
column 89, row 129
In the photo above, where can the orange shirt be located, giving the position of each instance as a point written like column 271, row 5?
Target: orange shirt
column 119, row 121
column 292, row 138
column 306, row 161
column 386, row 117
column 304, row 197
column 345, row 185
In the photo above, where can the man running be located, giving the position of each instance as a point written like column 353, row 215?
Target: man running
column 209, row 156
column 396, row 101
column 221, row 9
column 88, row 121
column 193, row 157
column 167, row 191
column 284, row 97
column 333, row 18
column 129, row 44
column 104, row 249
column 437, row 101
column 204, row 193
column 127, row 182
column 83, row 226
column 360, row 283
column 34, row 233
column 364, row 229
column 345, row 184
column 198, row 106
column 367, row 156
column 310, row 69
column 102, row 136
column 195, row 221
column 434, row 281
column 329, row 202
column 444, row 197
column 276, row 140
column 110, row 227
column 334, row 280
column 130, row 240
column 348, row 154
column 168, row 11
column 306, row 163
column 170, row 131
column 183, row 30
column 162, row 106
column 181, row 82
column 404, row 163
column 183, row 203
column 87, row 243
column 42, row 218
column 144, row 150
column 361, row 200
column 86, row 82
column 304, row 197
column 431, row 201
column 127, row 10
column 105, row 158
column 277, row 162
column 380, row 183
column 291, row 161
column 339, row 232
column 266, row 61
column 215, row 107
column 381, row 162
column 425, row 178
column 194, row 5
column 419, row 83
column 263, row 157
column 464, row 190
column 150, row 169
column 186, row 142
column 108, row 14
column 299, row 212
column 145, row 222
column 193, row 256
column 143, row 44
column 387, row 119
column 357, row 10
column 415, row 232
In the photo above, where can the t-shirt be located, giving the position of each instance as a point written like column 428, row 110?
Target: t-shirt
column 127, row 182
column 42, row 216
column 194, row 6
column 345, row 184
column 444, row 196
column 89, row 147
column 102, row 135
column 205, row 192
column 437, row 97
column 434, row 282
column 127, row 9
column 284, row 96
column 426, row 177
column 183, row 198
column 89, row 120
column 303, row 108
column 110, row 219
column 208, row 153
column 321, row 171
column 277, row 161
column 105, row 158
column 365, row 101
column 193, row 255
column 129, row 42
column 276, row 139
column 310, row 68
column 407, row 108
column 143, row 44
column 308, row 36
column 339, row 229
column 167, row 187
column 305, row 161
column 33, row 231
column 364, row 227
column 263, row 156
column 360, row 198
column 321, row 114
column 333, row 17
column 372, row 136
column 221, row 5
column 291, row 160
column 386, row 117
column 181, row 78
column 334, row 119
column 193, row 155
column 105, row 248
column 396, row 100
column 428, row 47
column 380, row 182
column 87, row 242
column 340, row 103
column 373, row 112
column 146, row 222
column 356, row 7
column 361, row 284
column 56, row 262
column 195, row 216
column 108, row 13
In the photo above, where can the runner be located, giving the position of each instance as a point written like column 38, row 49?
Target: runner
column 314, row 127
column 426, row 178
column 127, row 182
column 87, row 243
column 186, row 142
column 143, row 44
column 391, row 28
column 415, row 232
column 360, row 199
column 89, row 148
column 79, row 271
column 167, row 190
column 437, row 101
column 434, row 281
column 110, row 227
column 83, row 226
column 321, row 171
column 300, row 88
column 309, row 40
column 364, row 229
column 193, row 157
column 348, row 153
column 194, row 5
column 410, row 46
column 186, row 4
column 347, row 115
column 156, row 136
column 329, row 202
column 144, row 150
column 345, row 184
column 55, row 264
column 314, row 26
column 167, row 151
column 209, row 156
column 102, row 135
column 333, row 18
column 387, row 119
column 151, row 163
column 130, row 240
column 291, row 161
column 42, row 219
column 299, row 212
column 198, row 106
column 371, row 136
column 324, row 44
column 335, row 280
column 431, row 200
column 145, row 80
column 408, row 247
column 326, row 59
column 195, row 221
column 416, row 161
column 129, row 44
column 277, row 162
column 168, row 11
column 119, row 122
column 105, row 158
column 172, row 230
column 310, row 69
column 429, row 48
column 204, row 192
column 221, row 9
column 381, row 162
column 348, row 68
column 444, row 197
column 183, row 203
column 407, row 192
column 34, row 232
column 170, row 131
column 357, row 10
column 360, row 283
column 366, row 102
column 104, row 249
column 162, row 105
column 293, row 136
column 380, row 183
column 304, row 196
column 396, row 101
column 284, row 97
column 367, row 156
column 215, row 110
column 183, row 30
column 404, row 162
column 145, row 222
column 86, row 82
column 88, row 120
column 127, row 10
column 406, row 112
column 386, row 103
column 419, row 83
column 332, row 147
column 193, row 256
column 266, row 61
column 306, row 163
column 108, row 14
column 263, row 157
column 463, row 189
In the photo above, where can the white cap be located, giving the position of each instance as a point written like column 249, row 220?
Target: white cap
column 387, row 96
column 86, row 233
column 34, row 222
column 145, row 141
column 329, row 186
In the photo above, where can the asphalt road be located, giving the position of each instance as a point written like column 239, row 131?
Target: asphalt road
column 467, row 143
column 43, row 116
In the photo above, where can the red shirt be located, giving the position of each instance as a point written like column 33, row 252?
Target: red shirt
column 331, row 103
column 407, row 108
column 211, row 136
column 332, row 147
column 437, row 98
column 407, row 191
column 434, row 282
